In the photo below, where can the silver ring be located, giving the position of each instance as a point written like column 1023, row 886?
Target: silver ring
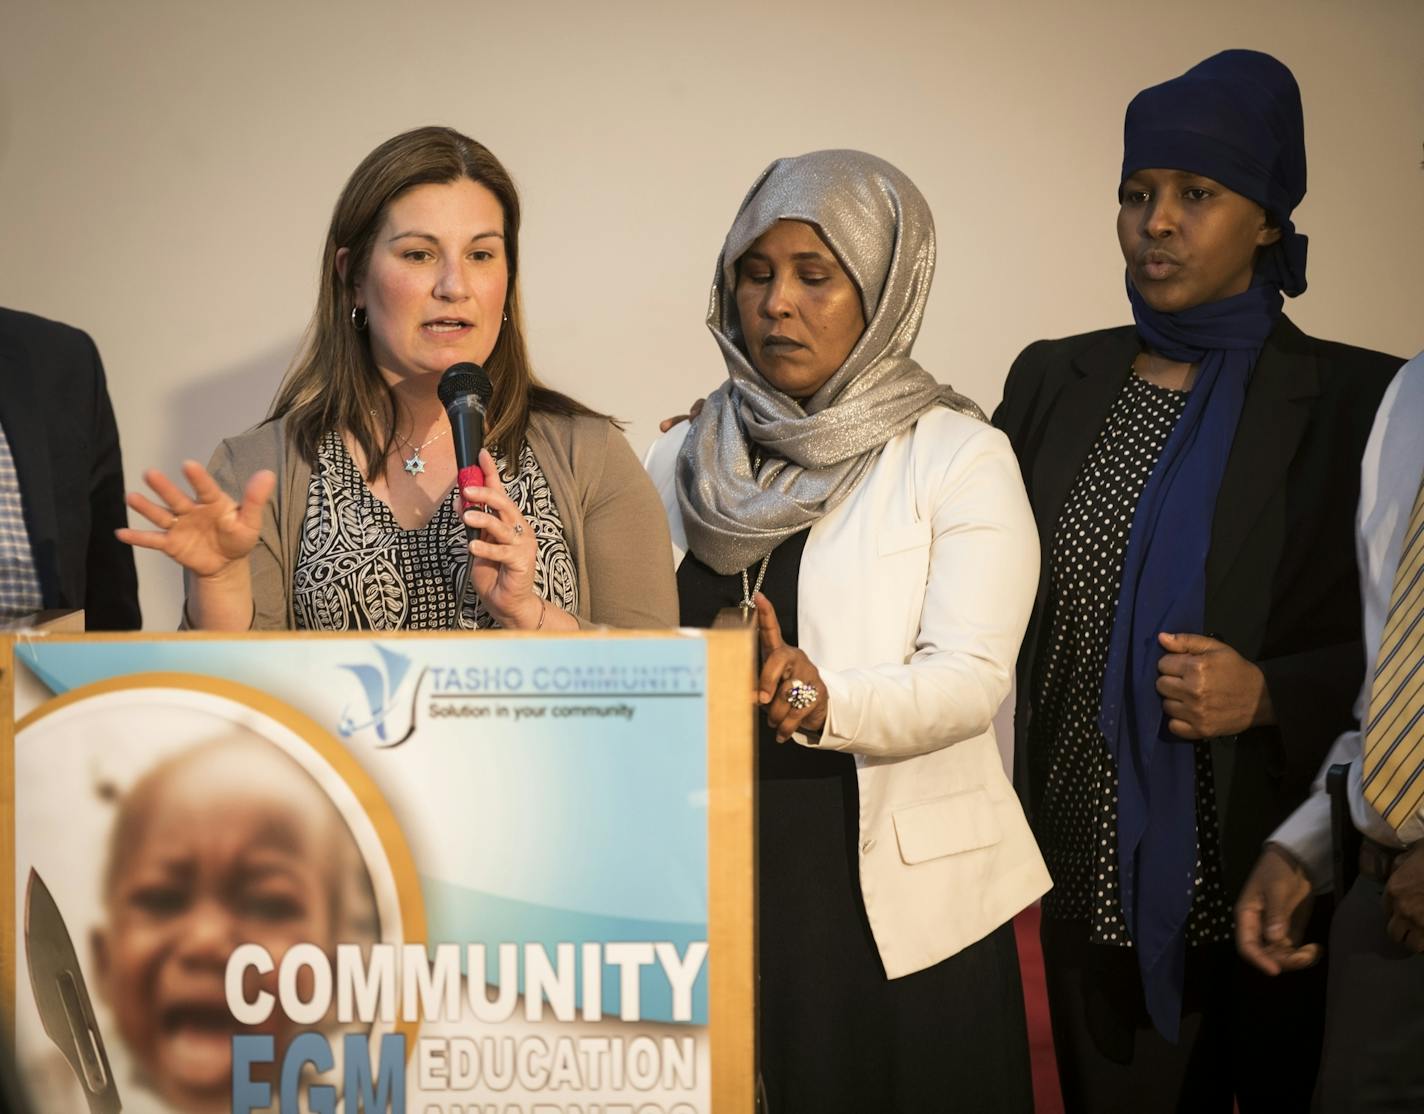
column 802, row 695
column 518, row 529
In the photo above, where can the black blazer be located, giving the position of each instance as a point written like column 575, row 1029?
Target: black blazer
column 54, row 406
column 1282, row 584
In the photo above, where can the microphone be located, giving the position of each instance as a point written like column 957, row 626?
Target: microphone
column 465, row 391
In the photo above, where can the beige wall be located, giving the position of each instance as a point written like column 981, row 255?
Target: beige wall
column 167, row 171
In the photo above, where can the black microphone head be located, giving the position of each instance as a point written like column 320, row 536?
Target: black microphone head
column 465, row 379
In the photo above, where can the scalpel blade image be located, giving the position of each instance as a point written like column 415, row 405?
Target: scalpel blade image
column 63, row 999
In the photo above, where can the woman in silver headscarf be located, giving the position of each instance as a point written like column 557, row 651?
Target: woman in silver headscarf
column 879, row 529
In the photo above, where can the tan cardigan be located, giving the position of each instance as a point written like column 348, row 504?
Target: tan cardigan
column 614, row 523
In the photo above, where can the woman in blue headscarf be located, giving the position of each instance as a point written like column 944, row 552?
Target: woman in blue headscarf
column 1195, row 643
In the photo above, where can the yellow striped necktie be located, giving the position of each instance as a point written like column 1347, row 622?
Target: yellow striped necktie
column 1394, row 727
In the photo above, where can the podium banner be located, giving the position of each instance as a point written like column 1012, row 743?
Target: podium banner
column 420, row 873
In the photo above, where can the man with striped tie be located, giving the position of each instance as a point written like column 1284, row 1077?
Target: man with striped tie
column 1374, row 1041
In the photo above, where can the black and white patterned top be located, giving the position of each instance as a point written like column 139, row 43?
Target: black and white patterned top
column 358, row 569
column 1077, row 821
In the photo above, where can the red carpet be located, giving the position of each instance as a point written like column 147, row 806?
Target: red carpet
column 1046, row 1098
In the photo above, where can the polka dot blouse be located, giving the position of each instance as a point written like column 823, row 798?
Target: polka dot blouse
column 1077, row 817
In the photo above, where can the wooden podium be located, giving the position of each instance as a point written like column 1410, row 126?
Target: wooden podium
column 573, row 811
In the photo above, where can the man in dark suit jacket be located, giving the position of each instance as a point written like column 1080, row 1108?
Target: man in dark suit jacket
column 55, row 411
column 1375, row 1006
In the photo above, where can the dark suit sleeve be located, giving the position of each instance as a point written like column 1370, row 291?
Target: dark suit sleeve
column 1009, row 415
column 1314, row 669
column 1312, row 693
column 1030, row 391
column 111, row 582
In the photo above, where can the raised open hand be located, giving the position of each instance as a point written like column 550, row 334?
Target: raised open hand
column 207, row 532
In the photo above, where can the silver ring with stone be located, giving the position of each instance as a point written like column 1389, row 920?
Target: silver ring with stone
column 802, row 695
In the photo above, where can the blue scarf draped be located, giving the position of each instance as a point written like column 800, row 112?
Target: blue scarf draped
column 1235, row 118
column 1164, row 589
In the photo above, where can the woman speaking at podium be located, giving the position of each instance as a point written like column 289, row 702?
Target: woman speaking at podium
column 340, row 511
column 879, row 528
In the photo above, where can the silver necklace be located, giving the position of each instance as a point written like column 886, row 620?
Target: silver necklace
column 415, row 463
column 748, row 604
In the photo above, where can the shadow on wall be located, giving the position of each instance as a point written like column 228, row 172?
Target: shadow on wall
column 208, row 407
column 6, row 129
column 222, row 403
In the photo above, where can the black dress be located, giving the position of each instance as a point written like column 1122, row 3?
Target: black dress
column 835, row 1034
column 1076, row 821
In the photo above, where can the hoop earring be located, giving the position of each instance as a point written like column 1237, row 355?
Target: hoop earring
column 358, row 319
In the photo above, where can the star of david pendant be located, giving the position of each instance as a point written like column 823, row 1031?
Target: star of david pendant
column 415, row 466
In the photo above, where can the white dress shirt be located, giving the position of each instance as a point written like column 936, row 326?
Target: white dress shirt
column 1389, row 481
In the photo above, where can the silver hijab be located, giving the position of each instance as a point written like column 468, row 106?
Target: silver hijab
column 812, row 453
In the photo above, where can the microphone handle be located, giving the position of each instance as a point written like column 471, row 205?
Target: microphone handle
column 467, row 430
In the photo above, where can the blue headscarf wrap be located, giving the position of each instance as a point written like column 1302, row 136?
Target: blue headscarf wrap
column 1235, row 118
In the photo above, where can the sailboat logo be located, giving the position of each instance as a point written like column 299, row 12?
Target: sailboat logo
column 381, row 685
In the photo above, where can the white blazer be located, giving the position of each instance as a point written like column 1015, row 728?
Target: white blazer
column 913, row 597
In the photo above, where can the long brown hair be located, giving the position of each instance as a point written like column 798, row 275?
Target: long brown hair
column 333, row 384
